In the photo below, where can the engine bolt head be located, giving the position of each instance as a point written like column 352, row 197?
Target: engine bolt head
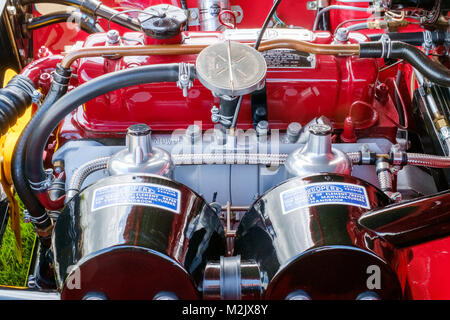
column 293, row 131
column 139, row 129
column 342, row 35
column 113, row 36
column 262, row 127
column 320, row 129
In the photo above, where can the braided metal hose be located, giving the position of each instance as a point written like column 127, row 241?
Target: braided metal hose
column 82, row 173
column 428, row 160
column 229, row 158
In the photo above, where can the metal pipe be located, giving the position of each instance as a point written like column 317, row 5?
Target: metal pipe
column 185, row 49
column 427, row 160
column 229, row 158
column 116, row 51
column 339, row 7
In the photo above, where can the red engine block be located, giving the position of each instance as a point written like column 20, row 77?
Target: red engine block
column 328, row 86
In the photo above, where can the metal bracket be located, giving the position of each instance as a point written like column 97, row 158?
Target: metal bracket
column 184, row 78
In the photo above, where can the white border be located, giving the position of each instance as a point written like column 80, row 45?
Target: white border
column 137, row 204
column 325, row 203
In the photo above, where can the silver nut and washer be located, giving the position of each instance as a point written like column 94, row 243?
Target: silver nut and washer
column 140, row 129
column 342, row 34
column 113, row 36
column 320, row 129
column 262, row 128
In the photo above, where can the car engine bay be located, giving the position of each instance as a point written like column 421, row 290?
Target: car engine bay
column 229, row 150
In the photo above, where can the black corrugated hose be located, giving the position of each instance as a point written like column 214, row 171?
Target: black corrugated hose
column 14, row 100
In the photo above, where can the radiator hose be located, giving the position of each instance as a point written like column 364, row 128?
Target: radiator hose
column 430, row 69
column 34, row 170
column 35, row 209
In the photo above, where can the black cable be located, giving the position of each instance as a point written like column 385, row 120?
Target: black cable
column 257, row 43
column 185, row 8
column 60, row 17
column 93, row 8
column 266, row 23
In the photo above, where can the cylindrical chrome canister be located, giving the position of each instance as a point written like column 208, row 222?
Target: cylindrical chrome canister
column 209, row 13
column 304, row 234
column 133, row 237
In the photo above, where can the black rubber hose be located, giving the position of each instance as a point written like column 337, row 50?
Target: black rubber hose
column 227, row 109
column 430, row 69
column 413, row 38
column 34, row 170
column 94, row 8
column 60, row 17
column 58, row 88
column 48, row 19
column 14, row 100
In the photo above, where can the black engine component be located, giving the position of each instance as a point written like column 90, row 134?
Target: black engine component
column 428, row 136
column 14, row 100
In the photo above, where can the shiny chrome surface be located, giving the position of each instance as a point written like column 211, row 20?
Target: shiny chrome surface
column 16, row 293
column 231, row 69
column 209, row 11
column 139, row 155
column 411, row 222
column 317, row 155
column 110, row 246
column 319, row 249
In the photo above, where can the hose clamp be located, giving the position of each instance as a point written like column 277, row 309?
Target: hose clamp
column 385, row 46
column 184, row 78
column 34, row 94
column 45, row 184
column 427, row 41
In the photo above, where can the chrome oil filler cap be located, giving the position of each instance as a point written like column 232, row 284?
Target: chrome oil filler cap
column 231, row 69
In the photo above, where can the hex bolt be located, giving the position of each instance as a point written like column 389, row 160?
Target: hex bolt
column 193, row 133
column 262, row 128
column 342, row 34
column 293, row 132
column 113, row 36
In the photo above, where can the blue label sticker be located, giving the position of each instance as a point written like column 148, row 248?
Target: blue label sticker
column 317, row 194
column 142, row 194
